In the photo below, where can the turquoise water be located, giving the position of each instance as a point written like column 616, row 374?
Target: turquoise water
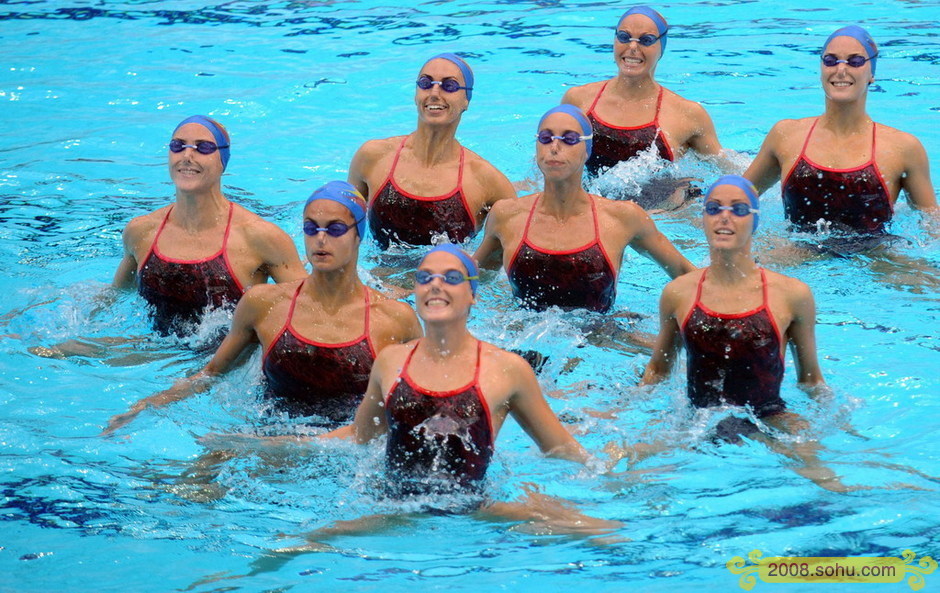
column 89, row 92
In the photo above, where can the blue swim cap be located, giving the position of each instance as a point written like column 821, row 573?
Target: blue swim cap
column 743, row 184
column 586, row 129
column 661, row 27
column 218, row 133
column 347, row 195
column 861, row 35
column 472, row 272
column 464, row 69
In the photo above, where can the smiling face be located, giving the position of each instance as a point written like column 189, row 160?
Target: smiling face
column 437, row 300
column 633, row 59
column 726, row 230
column 325, row 252
column 190, row 170
column 558, row 160
column 435, row 105
column 842, row 82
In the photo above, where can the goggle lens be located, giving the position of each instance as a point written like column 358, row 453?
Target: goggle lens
column 334, row 229
column 201, row 146
column 856, row 61
column 570, row 138
column 738, row 208
column 645, row 40
column 453, row 277
column 449, row 85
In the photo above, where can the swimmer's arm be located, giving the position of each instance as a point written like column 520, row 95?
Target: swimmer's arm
column 370, row 421
column 496, row 186
column 668, row 342
column 126, row 274
column 649, row 241
column 489, row 255
column 278, row 252
column 705, row 138
column 361, row 164
column 532, row 412
column 916, row 180
column 801, row 335
column 764, row 170
column 230, row 352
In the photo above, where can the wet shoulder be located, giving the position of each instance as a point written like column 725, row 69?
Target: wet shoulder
column 379, row 147
column 269, row 294
column 787, row 286
column 145, row 225
column 582, row 96
column 895, row 139
column 505, row 210
column 388, row 309
column 624, row 211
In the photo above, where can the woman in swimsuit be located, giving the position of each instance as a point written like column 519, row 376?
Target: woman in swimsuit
column 735, row 320
column 202, row 251
column 632, row 113
column 319, row 335
column 842, row 171
column 443, row 399
column 563, row 247
column 426, row 183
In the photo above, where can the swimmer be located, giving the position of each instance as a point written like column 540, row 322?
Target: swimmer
column 735, row 320
column 203, row 251
column 443, row 399
column 843, row 171
column 319, row 335
column 563, row 247
column 426, row 183
column 632, row 113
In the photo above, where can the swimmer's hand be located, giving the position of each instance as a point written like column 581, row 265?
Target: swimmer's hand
column 181, row 390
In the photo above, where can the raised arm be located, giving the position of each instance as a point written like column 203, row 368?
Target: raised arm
column 489, row 255
column 363, row 163
column 531, row 411
column 281, row 261
column 765, row 168
column 241, row 336
column 668, row 341
column 801, row 335
column 916, row 179
column 370, row 421
column 649, row 241
column 704, row 140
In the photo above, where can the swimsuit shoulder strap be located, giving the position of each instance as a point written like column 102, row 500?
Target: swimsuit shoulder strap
column 698, row 290
column 401, row 146
column 293, row 303
column 156, row 237
column 659, row 101
column 597, row 97
column 528, row 220
column 463, row 152
column 228, row 224
column 765, row 289
column 597, row 228
column 808, row 135
column 476, row 374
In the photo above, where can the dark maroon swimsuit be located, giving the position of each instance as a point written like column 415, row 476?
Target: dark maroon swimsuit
column 855, row 200
column 438, row 439
column 180, row 291
column 614, row 144
column 580, row 278
column 734, row 358
column 312, row 378
column 398, row 216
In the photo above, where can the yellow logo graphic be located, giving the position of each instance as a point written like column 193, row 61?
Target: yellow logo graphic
column 808, row 569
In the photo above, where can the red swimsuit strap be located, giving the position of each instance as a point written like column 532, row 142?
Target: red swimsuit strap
column 475, row 382
column 528, row 221
column 654, row 122
column 228, row 226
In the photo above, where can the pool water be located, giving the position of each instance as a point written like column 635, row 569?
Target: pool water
column 89, row 92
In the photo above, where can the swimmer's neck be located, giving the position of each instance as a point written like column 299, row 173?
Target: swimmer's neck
column 200, row 210
column 334, row 289
column 634, row 88
column 731, row 267
column 563, row 197
column 435, row 144
column 445, row 341
column 845, row 118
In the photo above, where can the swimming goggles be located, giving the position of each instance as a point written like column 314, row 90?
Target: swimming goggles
column 856, row 61
column 453, row 277
column 570, row 138
column 449, row 85
column 738, row 208
column 646, row 39
column 201, row 146
column 334, row 229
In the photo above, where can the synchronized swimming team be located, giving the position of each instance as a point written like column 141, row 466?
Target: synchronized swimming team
column 359, row 364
